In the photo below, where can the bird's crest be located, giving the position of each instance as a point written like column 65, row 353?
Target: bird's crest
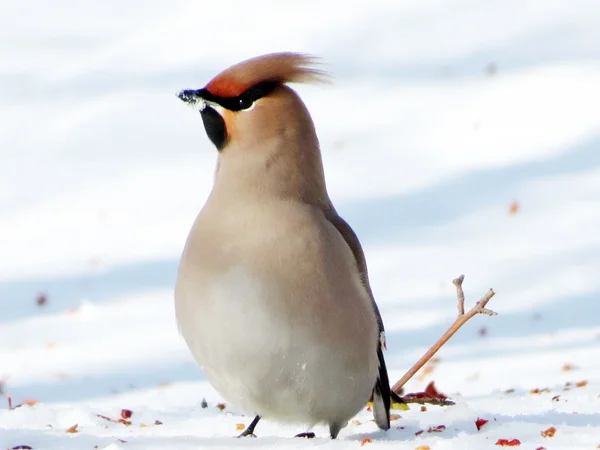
column 275, row 67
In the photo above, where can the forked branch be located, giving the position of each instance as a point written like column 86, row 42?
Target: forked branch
column 479, row 308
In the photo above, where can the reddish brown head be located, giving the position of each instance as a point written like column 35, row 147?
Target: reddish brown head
column 238, row 89
column 276, row 68
column 266, row 138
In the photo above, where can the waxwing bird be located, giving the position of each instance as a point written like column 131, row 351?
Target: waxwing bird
column 272, row 294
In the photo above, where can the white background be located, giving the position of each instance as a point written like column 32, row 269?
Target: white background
column 442, row 114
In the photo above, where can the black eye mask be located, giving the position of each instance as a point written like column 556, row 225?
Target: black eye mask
column 212, row 120
column 243, row 101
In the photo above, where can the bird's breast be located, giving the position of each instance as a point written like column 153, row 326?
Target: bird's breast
column 275, row 311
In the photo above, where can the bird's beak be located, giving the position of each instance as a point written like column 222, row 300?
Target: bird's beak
column 192, row 97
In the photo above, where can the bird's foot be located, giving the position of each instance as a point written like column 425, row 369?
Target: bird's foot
column 307, row 435
column 247, row 433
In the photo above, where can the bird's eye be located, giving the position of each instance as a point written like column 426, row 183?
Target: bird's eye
column 245, row 102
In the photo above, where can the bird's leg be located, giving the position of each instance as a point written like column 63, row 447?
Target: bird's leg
column 334, row 429
column 249, row 431
column 307, row 435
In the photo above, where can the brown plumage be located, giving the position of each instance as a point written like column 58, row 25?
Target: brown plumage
column 273, row 296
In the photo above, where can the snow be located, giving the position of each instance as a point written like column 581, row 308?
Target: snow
column 441, row 115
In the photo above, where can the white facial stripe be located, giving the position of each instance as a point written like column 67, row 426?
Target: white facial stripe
column 216, row 107
column 199, row 104
column 221, row 110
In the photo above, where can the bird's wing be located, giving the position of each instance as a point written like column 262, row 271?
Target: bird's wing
column 352, row 240
column 381, row 390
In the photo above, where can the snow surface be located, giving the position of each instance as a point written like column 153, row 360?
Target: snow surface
column 442, row 115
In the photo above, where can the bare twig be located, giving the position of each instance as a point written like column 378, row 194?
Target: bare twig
column 460, row 294
column 479, row 308
column 8, row 396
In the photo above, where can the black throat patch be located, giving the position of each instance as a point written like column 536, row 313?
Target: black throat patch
column 214, row 126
